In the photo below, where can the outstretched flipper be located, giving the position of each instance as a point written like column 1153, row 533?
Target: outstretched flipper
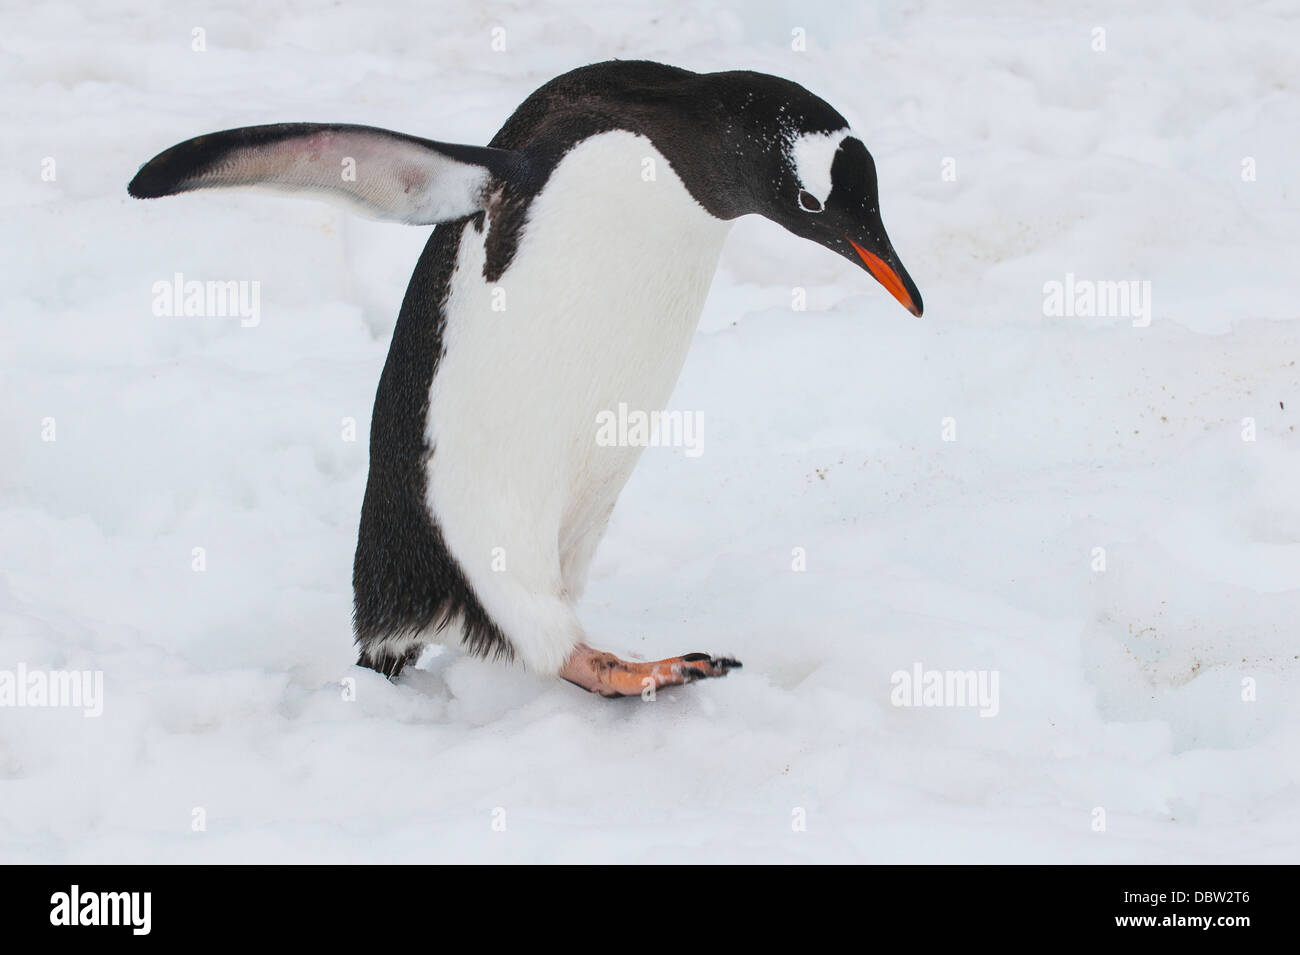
column 377, row 172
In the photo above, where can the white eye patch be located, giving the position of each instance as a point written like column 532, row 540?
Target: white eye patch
column 812, row 154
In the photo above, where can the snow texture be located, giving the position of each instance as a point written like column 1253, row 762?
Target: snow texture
column 1158, row 694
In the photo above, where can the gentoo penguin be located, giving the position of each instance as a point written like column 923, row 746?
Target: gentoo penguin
column 565, row 276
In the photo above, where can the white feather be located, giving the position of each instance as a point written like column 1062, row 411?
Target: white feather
column 812, row 154
column 600, row 304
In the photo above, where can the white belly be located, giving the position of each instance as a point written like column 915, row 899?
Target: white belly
column 597, row 308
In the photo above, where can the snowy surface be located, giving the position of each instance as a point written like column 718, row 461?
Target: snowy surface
column 1119, row 689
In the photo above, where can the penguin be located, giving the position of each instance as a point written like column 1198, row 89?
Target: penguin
column 565, row 275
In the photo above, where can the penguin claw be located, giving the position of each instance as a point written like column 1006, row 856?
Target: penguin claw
column 610, row 676
column 708, row 666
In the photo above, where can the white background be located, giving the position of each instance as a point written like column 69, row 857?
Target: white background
column 1119, row 689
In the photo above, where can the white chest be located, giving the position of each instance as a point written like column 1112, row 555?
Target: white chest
column 597, row 308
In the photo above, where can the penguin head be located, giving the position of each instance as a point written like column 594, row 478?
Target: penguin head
column 831, row 198
column 816, row 178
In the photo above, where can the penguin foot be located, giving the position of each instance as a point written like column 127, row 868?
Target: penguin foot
column 388, row 663
column 610, row 676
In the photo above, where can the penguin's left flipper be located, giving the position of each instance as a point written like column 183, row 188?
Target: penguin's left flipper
column 610, row 676
column 377, row 172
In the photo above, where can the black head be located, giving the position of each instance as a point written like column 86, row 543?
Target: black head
column 742, row 142
column 812, row 175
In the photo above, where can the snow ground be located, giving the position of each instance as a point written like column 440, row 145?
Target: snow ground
column 1120, row 689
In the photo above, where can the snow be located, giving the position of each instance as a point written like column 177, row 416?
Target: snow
column 1119, row 689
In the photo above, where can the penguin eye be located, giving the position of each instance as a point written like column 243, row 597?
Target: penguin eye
column 808, row 202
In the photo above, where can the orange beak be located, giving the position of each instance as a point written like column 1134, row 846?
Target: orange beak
column 888, row 277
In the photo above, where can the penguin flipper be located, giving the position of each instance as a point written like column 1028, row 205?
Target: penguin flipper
column 377, row 172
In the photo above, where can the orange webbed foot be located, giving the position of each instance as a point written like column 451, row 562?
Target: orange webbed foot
column 610, row 676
